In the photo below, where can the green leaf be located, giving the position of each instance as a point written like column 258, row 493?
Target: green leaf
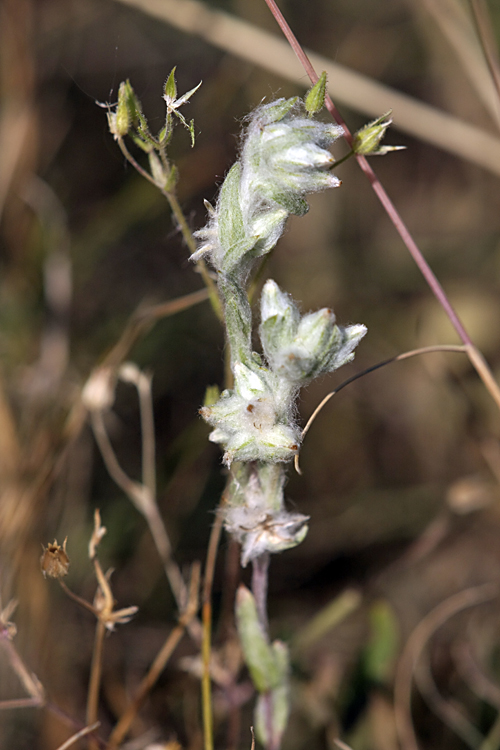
column 382, row 649
column 315, row 98
column 170, row 89
column 212, row 395
column 265, row 668
column 278, row 111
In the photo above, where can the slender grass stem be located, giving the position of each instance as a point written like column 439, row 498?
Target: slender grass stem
column 95, row 680
column 206, row 647
column 122, row 727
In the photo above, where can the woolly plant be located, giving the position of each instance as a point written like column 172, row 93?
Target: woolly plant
column 284, row 157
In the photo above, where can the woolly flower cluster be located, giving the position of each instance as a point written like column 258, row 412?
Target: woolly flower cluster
column 255, row 514
column 254, row 420
column 284, row 157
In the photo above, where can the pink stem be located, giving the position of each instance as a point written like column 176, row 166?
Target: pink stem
column 390, row 208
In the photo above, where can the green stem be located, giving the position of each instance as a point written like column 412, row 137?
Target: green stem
column 183, row 226
column 344, row 158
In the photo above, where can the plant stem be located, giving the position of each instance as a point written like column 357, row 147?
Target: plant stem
column 260, row 575
column 95, row 679
column 158, row 665
column 206, row 688
column 475, row 356
column 183, row 226
column 79, row 735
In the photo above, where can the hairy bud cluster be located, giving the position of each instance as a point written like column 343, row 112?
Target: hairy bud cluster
column 284, row 157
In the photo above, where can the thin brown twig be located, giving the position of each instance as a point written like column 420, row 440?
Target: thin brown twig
column 145, row 505
column 144, row 392
column 183, row 226
column 414, row 648
column 144, row 318
column 474, row 355
column 397, row 358
column 470, row 671
column 21, row 703
column 206, row 643
column 95, row 679
column 78, row 599
column 29, row 681
column 159, row 663
column 86, row 730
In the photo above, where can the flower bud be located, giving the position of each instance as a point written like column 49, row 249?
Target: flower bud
column 367, row 140
column 284, row 157
column 315, row 98
column 298, row 349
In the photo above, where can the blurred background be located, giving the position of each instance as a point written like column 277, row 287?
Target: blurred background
column 400, row 471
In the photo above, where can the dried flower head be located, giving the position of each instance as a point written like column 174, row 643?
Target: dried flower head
column 54, row 561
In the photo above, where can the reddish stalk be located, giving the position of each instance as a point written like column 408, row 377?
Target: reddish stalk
column 476, row 359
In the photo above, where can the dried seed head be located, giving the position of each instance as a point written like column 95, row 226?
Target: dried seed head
column 54, row 561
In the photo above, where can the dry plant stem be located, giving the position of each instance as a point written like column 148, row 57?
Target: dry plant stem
column 95, row 679
column 157, row 667
column 148, row 436
column 413, row 650
column 183, row 226
column 206, row 644
column 471, row 673
column 397, row 358
column 342, row 745
column 28, row 680
column 474, row 355
column 144, row 318
column 71, row 740
column 150, row 512
column 78, row 599
column 21, row 703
